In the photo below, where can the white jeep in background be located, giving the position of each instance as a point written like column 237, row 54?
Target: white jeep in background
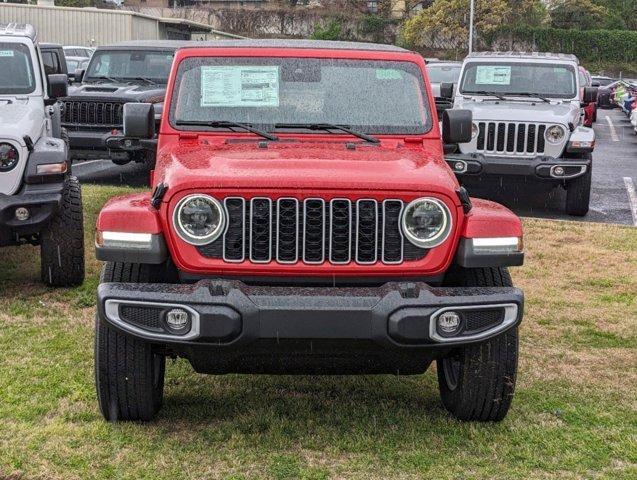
column 527, row 125
column 40, row 202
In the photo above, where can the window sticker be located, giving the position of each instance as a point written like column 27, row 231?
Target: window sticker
column 240, row 86
column 493, row 75
column 388, row 74
column 6, row 53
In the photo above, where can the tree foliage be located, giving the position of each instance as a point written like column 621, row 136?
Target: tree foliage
column 579, row 14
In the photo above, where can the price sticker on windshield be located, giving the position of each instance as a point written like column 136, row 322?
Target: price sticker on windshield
column 493, row 75
column 6, row 53
column 240, row 86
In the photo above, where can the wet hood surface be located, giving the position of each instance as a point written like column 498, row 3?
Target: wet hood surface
column 522, row 111
column 303, row 165
column 123, row 91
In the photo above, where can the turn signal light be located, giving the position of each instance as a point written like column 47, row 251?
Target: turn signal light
column 51, row 168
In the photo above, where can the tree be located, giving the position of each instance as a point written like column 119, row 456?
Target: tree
column 450, row 19
column 527, row 13
column 578, row 14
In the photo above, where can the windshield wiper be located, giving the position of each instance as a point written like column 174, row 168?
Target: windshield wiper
column 527, row 94
column 227, row 124
column 143, row 79
column 104, row 78
column 484, row 92
column 328, row 127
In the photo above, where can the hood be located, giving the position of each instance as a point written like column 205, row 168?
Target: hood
column 119, row 91
column 521, row 111
column 291, row 165
column 20, row 118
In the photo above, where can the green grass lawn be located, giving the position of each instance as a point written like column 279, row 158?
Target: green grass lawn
column 574, row 414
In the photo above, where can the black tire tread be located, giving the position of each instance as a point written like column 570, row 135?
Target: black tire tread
column 578, row 193
column 62, row 243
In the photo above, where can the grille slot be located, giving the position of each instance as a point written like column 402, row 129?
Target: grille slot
column 523, row 139
column 312, row 231
column 95, row 113
column 477, row 321
column 148, row 318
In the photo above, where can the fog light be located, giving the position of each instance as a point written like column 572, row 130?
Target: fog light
column 22, row 214
column 178, row 320
column 559, row 171
column 448, row 323
column 459, row 166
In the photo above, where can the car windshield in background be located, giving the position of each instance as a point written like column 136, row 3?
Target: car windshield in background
column 366, row 96
column 16, row 71
column 547, row 80
column 443, row 73
column 130, row 65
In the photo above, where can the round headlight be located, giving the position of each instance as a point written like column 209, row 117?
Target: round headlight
column 475, row 130
column 9, row 157
column 199, row 219
column 554, row 134
column 426, row 222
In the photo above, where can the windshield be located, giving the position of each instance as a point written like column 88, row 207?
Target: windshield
column 548, row 80
column 16, row 70
column 368, row 96
column 443, row 73
column 130, row 65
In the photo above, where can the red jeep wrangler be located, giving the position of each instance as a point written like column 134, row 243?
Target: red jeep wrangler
column 304, row 220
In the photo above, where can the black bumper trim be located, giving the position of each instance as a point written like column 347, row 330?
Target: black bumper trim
column 301, row 313
column 42, row 201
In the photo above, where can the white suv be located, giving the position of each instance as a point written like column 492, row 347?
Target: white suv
column 527, row 124
column 40, row 202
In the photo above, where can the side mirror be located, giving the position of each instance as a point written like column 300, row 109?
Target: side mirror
column 58, row 86
column 590, row 95
column 456, row 126
column 139, row 120
column 446, row 90
column 78, row 76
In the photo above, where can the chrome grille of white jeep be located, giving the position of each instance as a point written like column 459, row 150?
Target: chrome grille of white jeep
column 511, row 138
column 312, row 231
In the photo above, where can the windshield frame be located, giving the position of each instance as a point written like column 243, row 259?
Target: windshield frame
column 149, row 50
column 427, row 116
column 439, row 66
column 29, row 52
column 572, row 68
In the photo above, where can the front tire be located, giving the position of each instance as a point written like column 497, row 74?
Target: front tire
column 62, row 244
column 129, row 373
column 477, row 382
column 578, row 193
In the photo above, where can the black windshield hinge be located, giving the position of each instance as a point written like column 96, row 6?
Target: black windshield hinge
column 28, row 142
column 465, row 200
column 158, row 195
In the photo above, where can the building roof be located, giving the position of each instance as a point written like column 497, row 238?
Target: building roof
column 527, row 55
column 18, row 30
column 303, row 44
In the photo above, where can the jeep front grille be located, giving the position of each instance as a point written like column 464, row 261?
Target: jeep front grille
column 93, row 113
column 508, row 138
column 312, row 231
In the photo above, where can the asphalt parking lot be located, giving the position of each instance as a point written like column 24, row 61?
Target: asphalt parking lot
column 613, row 198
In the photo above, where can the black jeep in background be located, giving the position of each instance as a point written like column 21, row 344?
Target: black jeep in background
column 117, row 74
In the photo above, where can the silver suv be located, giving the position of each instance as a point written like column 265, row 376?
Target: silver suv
column 40, row 202
column 527, row 124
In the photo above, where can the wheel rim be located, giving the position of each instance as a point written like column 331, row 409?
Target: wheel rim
column 451, row 370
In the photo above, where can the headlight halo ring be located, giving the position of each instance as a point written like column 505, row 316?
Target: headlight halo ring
column 548, row 137
column 8, row 164
column 440, row 237
column 194, row 239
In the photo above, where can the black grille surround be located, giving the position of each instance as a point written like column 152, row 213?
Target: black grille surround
column 103, row 113
column 313, row 231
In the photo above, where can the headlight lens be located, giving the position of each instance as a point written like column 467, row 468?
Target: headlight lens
column 199, row 219
column 9, row 157
column 555, row 134
column 475, row 130
column 426, row 222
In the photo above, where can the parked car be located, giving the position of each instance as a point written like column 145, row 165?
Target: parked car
column 40, row 202
column 633, row 117
column 77, row 51
column 303, row 220
column 75, row 63
column 601, row 81
column 116, row 74
column 590, row 108
column 527, row 126
column 606, row 94
column 442, row 72
column 628, row 99
column 53, row 59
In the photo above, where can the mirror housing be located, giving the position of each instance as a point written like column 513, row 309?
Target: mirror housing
column 139, row 120
column 590, row 95
column 446, row 90
column 58, row 86
column 456, row 126
column 78, row 75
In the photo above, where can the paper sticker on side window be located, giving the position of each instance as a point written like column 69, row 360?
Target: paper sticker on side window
column 493, row 75
column 240, row 86
column 388, row 74
column 6, row 53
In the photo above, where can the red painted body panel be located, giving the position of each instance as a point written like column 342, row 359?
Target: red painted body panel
column 489, row 219
column 129, row 213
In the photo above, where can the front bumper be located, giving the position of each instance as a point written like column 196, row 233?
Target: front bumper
column 91, row 144
column 232, row 319
column 42, row 201
column 541, row 168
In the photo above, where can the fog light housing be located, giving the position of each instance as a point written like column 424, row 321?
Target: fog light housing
column 178, row 320
column 449, row 323
column 22, row 214
column 559, row 171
